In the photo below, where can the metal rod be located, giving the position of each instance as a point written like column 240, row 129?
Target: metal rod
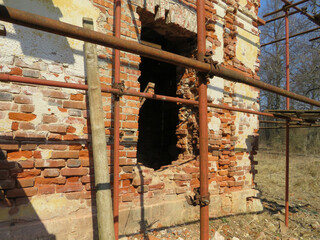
column 287, row 121
column 294, row 35
column 280, row 17
column 304, row 12
column 99, row 147
column 287, row 6
column 28, row 80
column 116, row 133
column 49, row 25
column 280, row 127
column 203, row 124
column 316, row 38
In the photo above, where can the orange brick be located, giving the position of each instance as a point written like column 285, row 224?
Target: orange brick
column 21, row 116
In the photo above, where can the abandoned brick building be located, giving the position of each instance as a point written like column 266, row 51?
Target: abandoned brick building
column 46, row 167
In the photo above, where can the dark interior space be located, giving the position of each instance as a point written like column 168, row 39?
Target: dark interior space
column 157, row 119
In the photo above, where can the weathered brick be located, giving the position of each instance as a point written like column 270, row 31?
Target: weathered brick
column 28, row 135
column 22, row 192
column 66, row 154
column 6, row 96
column 77, row 97
column 7, row 184
column 29, row 173
column 25, row 182
column 28, row 146
column 19, row 155
column 46, row 189
column 31, row 73
column 26, row 126
column 87, row 179
column 137, row 181
column 53, row 146
column 156, row 186
column 51, row 172
column 181, row 176
column 21, row 116
column 75, row 112
column 49, row 163
column 12, row 145
column 55, row 94
column 23, row 99
column 74, row 104
column 69, row 187
column 27, row 108
column 16, row 71
column 4, row 174
column 52, row 128
column 74, row 171
column 43, row 181
column 7, row 165
column 26, row 163
column 49, row 119
column 4, row 106
column 78, row 195
column 73, row 163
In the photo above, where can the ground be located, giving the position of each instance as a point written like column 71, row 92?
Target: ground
column 304, row 217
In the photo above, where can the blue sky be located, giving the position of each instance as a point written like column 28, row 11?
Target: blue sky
column 263, row 4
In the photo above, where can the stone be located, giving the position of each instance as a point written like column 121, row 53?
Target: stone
column 217, row 236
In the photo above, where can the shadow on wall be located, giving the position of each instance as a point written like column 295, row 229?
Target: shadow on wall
column 13, row 222
column 34, row 43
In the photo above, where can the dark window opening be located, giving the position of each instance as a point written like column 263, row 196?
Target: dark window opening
column 158, row 120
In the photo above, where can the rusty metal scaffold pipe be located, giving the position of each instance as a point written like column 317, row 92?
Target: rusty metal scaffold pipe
column 292, row 36
column 116, row 122
column 289, row 5
column 23, row 18
column 42, row 82
column 302, row 11
column 287, row 121
column 280, row 17
column 203, row 125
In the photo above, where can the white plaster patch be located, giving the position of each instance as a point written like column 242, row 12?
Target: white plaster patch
column 215, row 89
column 214, row 124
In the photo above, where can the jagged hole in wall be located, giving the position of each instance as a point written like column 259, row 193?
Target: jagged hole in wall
column 158, row 120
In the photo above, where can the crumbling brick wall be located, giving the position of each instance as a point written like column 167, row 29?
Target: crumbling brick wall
column 46, row 155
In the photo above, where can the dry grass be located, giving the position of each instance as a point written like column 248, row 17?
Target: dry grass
column 304, row 178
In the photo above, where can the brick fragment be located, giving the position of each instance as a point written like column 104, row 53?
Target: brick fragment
column 180, row 176
column 69, row 187
column 25, row 182
column 4, row 106
column 7, row 184
column 29, row 173
column 47, row 189
column 73, row 163
column 74, row 104
column 22, row 192
column 27, row 108
column 6, row 96
column 74, row 171
column 156, row 186
column 49, row 119
column 19, row 155
column 49, row 163
column 21, row 116
column 66, row 154
column 26, row 126
column 51, row 172
column 23, row 99
column 57, row 180
column 31, row 73
column 26, row 163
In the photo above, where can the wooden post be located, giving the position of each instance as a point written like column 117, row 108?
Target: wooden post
column 101, row 168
